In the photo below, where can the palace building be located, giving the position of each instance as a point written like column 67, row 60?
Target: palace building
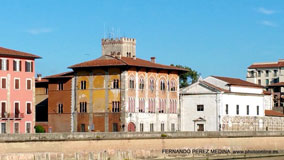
column 116, row 92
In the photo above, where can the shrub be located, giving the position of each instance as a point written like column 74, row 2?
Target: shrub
column 164, row 135
column 39, row 129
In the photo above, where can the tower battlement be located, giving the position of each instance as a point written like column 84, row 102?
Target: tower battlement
column 125, row 47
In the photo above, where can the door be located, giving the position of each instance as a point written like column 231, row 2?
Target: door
column 115, row 127
column 131, row 127
column 82, row 129
column 200, row 127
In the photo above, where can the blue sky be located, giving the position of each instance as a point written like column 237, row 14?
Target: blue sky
column 214, row 37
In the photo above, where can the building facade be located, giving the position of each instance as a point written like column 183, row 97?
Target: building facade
column 266, row 73
column 223, row 104
column 17, row 91
column 119, row 92
column 59, row 102
column 41, row 102
column 270, row 75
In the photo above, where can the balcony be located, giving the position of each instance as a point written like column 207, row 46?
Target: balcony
column 12, row 116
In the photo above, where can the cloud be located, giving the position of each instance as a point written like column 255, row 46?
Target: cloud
column 265, row 11
column 268, row 23
column 36, row 31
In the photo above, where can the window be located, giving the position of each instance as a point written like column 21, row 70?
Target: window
column 3, row 83
column 227, row 109
column 29, row 84
column 29, row 108
column 162, row 106
column 162, row 127
column 128, row 54
column 28, row 127
column 131, row 83
column 275, row 73
column 259, row 73
column 115, row 106
column 141, row 105
column 16, row 127
column 17, row 83
column 257, row 110
column 131, row 104
column 3, row 127
column 172, row 127
column 29, row 66
column 238, row 110
column 60, row 108
column 173, row 85
column 152, row 84
column 4, row 64
column 17, row 65
column 163, row 85
column 115, row 84
column 267, row 73
column 247, row 109
column 151, row 105
column 17, row 109
column 83, row 85
column 141, row 127
column 151, row 127
column 83, row 107
column 259, row 82
column 3, row 109
column 200, row 107
column 141, row 84
column 267, row 81
column 60, row 86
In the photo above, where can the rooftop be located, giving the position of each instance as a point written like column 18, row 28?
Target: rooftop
column 124, row 61
column 60, row 75
column 14, row 53
column 280, row 63
column 237, row 82
column 273, row 113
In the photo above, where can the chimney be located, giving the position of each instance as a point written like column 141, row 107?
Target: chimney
column 134, row 57
column 39, row 77
column 153, row 59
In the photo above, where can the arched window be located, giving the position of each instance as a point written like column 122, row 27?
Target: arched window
column 115, row 83
column 131, row 83
column 141, row 83
column 152, row 84
column 162, row 85
column 173, row 85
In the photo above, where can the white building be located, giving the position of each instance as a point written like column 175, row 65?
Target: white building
column 222, row 103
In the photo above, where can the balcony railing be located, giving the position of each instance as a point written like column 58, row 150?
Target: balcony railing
column 12, row 116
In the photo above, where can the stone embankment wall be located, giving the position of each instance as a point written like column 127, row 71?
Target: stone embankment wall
column 90, row 146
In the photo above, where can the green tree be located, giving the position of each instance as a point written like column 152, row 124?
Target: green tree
column 187, row 78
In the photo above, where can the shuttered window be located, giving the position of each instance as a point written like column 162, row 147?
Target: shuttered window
column 29, row 108
column 29, row 84
column 4, row 83
column 17, row 83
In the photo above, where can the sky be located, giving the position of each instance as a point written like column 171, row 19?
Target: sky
column 213, row 37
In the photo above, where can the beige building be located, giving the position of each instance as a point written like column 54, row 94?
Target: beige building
column 266, row 73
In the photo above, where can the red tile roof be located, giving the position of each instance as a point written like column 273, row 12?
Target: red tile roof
column 237, row 82
column 215, row 87
column 280, row 84
column 124, row 61
column 43, row 80
column 273, row 113
column 14, row 53
column 267, row 65
column 61, row 75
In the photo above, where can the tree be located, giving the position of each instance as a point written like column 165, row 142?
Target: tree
column 187, row 78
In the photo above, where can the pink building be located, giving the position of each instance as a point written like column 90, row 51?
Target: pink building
column 17, row 90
